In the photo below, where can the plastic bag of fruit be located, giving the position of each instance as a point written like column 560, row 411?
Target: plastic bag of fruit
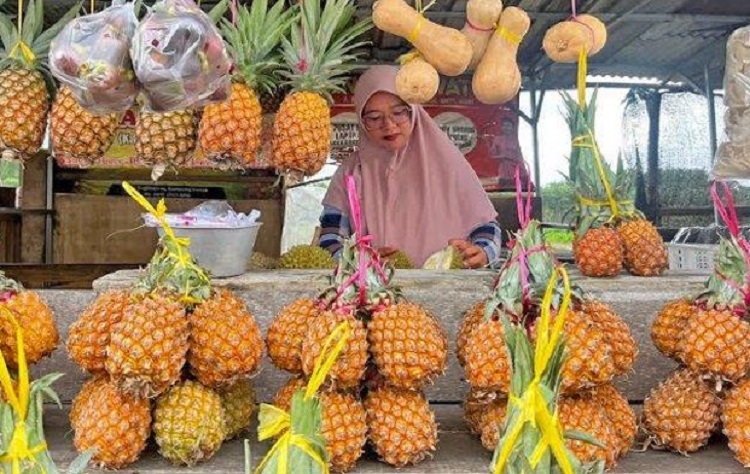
column 180, row 58
column 91, row 55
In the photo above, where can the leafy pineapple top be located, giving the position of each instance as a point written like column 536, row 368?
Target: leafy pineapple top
column 320, row 51
column 26, row 45
column 603, row 194
column 253, row 41
column 9, row 284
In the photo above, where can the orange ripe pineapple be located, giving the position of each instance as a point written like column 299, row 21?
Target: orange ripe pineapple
column 225, row 340
column 616, row 333
column 645, row 253
column 287, row 332
column 492, row 423
column 619, row 413
column 599, row 252
column 232, row 129
column 315, row 66
column 736, row 418
column 487, row 359
column 471, row 319
column 667, row 330
column 584, row 414
column 589, row 362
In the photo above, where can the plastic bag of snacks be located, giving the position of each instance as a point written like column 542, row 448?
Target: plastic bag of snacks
column 91, row 55
column 180, row 57
column 733, row 156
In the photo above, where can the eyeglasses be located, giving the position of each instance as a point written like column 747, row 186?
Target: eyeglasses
column 376, row 120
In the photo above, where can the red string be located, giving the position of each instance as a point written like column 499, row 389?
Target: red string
column 573, row 7
column 523, row 209
column 233, row 8
column 474, row 27
column 728, row 213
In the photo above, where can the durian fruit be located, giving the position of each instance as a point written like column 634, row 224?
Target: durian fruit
column 261, row 261
column 307, row 257
column 401, row 261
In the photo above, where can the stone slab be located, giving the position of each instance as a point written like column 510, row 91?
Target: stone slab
column 458, row 453
column 447, row 294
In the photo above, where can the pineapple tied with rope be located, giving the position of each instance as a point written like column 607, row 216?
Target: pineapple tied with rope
column 23, row 448
column 26, row 84
column 610, row 232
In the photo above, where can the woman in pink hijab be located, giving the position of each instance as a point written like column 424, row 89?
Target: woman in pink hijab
column 418, row 192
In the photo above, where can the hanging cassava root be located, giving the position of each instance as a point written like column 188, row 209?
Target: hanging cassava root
column 481, row 20
column 417, row 81
column 497, row 78
column 447, row 49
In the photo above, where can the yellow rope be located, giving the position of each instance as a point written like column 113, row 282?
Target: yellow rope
column 508, row 35
column 412, row 37
column 588, row 141
column 582, row 73
column 91, row 7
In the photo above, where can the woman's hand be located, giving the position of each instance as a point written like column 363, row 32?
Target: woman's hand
column 474, row 256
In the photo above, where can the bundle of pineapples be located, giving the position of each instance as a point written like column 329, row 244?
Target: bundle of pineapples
column 374, row 389
column 710, row 337
column 598, row 344
column 610, row 231
column 171, row 338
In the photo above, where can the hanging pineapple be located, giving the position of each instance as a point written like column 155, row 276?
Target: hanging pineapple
column 232, row 129
column 25, row 82
column 318, row 56
column 610, row 231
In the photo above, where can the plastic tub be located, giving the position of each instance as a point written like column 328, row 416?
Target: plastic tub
column 223, row 252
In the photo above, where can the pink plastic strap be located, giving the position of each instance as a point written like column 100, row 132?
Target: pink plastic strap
column 728, row 213
column 573, row 7
column 233, row 7
column 475, row 27
column 523, row 209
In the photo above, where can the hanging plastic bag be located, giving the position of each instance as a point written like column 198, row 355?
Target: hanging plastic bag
column 733, row 156
column 180, row 57
column 91, row 55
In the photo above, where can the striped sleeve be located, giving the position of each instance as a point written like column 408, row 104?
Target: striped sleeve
column 489, row 237
column 334, row 228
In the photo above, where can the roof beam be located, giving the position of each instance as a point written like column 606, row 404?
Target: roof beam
column 632, row 17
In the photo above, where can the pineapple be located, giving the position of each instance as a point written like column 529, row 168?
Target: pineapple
column 735, row 417
column 344, row 424
column 682, row 412
column 408, row 345
column 487, row 360
column 317, row 57
column 605, row 198
column 403, row 430
column 349, row 368
column 667, row 330
column 590, row 360
column 148, row 347
column 492, row 423
column 270, row 101
column 599, row 252
column 401, row 261
column 474, row 407
column 287, row 332
column 114, row 425
column 166, row 138
column 225, row 341
column 645, row 253
column 24, row 79
column 620, row 415
column 189, row 423
column 472, row 318
column 89, row 335
column 33, row 316
column 232, row 129
column 77, row 133
column 261, row 261
column 238, row 400
column 616, row 334
column 283, row 398
column 584, row 414
column 88, row 389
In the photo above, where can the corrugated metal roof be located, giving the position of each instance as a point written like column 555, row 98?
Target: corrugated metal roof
column 665, row 39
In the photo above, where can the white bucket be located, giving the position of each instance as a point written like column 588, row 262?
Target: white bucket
column 223, row 252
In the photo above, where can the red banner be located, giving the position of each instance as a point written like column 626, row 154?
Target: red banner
column 486, row 134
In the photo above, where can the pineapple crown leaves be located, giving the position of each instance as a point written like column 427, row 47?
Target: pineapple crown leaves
column 725, row 285
column 29, row 48
column 536, row 374
column 9, row 284
column 588, row 173
column 301, row 444
column 172, row 269
column 321, row 48
column 253, row 41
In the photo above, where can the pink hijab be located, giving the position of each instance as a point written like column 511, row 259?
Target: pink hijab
column 416, row 199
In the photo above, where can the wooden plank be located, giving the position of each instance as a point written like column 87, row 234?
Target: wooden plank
column 34, row 197
column 65, row 276
column 107, row 229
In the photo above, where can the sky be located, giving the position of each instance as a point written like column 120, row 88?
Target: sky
column 554, row 137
